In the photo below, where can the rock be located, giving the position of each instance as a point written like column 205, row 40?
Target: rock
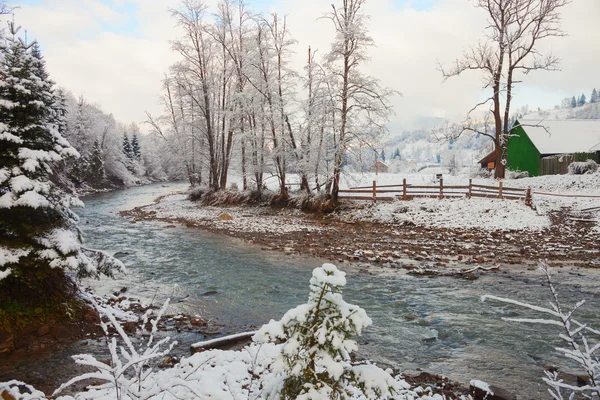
column 44, row 329
column 195, row 321
column 7, row 342
column 225, row 217
column 495, row 393
column 210, row 293
column 62, row 333
column 6, row 396
column 129, row 326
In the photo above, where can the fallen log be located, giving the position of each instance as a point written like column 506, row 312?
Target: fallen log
column 221, row 342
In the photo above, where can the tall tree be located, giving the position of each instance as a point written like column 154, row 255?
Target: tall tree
column 127, row 149
column 510, row 46
column 39, row 238
column 581, row 101
column 360, row 101
column 573, row 102
column 594, row 96
column 136, row 150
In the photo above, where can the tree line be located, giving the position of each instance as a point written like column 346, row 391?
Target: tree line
column 232, row 102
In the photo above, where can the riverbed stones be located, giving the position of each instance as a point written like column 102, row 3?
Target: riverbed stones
column 7, row 342
column 225, row 217
column 495, row 393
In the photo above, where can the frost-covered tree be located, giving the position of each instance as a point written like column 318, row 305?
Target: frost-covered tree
column 127, row 149
column 361, row 104
column 594, row 96
column 510, row 47
column 582, row 100
column 573, row 102
column 39, row 239
column 317, row 336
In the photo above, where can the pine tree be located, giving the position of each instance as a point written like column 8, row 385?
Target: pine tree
column 127, row 149
column 135, row 147
column 594, row 97
column 383, row 155
column 573, row 102
column 97, row 176
column 397, row 154
column 581, row 100
column 39, row 238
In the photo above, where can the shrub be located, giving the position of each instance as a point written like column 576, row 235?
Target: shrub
column 582, row 168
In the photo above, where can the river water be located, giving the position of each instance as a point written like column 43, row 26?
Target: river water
column 436, row 324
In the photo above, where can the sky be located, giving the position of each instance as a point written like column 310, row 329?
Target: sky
column 115, row 52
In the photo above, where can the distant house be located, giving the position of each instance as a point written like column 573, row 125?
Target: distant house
column 488, row 162
column 549, row 146
column 379, row 167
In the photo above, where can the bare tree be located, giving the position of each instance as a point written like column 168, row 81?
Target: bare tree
column 361, row 102
column 509, row 47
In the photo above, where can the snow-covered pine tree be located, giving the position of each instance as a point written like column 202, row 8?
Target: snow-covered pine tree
column 573, row 102
column 39, row 239
column 97, row 174
column 127, row 149
column 581, row 100
column 594, row 97
column 136, row 151
column 315, row 357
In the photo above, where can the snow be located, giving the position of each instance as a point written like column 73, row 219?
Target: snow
column 31, row 199
column 246, row 219
column 481, row 385
column 563, row 136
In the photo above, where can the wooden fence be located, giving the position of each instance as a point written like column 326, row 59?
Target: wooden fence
column 409, row 192
column 559, row 164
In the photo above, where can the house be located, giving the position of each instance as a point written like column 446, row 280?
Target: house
column 488, row 162
column 548, row 147
column 379, row 167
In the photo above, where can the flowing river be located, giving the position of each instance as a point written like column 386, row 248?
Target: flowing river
column 437, row 325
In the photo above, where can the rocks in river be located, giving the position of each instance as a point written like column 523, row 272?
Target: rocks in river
column 7, row 342
column 225, row 217
column 482, row 391
column 210, row 293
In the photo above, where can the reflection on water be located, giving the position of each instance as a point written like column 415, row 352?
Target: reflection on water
column 439, row 325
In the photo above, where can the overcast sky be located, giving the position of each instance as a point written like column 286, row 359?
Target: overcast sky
column 115, row 52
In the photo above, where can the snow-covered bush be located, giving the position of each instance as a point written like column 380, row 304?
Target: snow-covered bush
column 516, row 174
column 128, row 375
column 579, row 345
column 315, row 358
column 582, row 168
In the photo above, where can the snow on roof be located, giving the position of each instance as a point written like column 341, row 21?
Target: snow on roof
column 564, row 135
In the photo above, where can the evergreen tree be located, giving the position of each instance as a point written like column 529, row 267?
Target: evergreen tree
column 573, row 102
column 594, row 97
column 135, row 147
column 581, row 100
column 397, row 154
column 383, row 155
column 97, row 175
column 127, row 149
column 39, row 238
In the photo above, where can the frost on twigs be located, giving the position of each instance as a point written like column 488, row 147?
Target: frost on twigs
column 315, row 357
column 129, row 374
column 581, row 342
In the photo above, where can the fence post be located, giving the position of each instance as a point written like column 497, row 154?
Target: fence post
column 441, row 188
column 404, row 189
column 500, row 190
column 470, row 188
column 374, row 191
column 528, row 199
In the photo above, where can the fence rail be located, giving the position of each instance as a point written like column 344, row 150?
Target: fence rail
column 408, row 192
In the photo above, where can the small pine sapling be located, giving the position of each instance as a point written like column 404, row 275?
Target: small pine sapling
column 315, row 358
column 577, row 337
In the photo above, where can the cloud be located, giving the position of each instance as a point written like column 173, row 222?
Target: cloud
column 115, row 52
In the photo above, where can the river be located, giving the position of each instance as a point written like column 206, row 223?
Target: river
column 438, row 324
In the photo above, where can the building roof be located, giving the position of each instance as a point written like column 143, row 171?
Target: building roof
column 489, row 158
column 560, row 136
column 378, row 163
